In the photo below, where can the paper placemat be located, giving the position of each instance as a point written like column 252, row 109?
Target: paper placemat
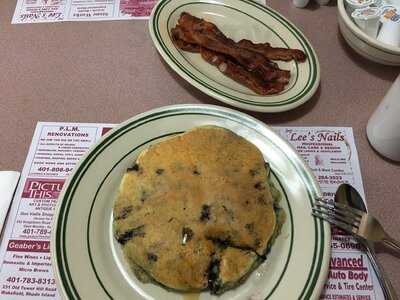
column 25, row 267
column 46, row 11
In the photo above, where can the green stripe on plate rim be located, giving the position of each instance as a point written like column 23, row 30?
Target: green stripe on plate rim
column 61, row 253
column 270, row 28
column 312, row 61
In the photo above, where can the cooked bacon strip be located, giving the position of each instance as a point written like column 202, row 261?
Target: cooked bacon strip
column 250, row 67
column 181, row 44
column 186, row 46
column 273, row 73
column 271, row 52
column 207, row 35
column 182, row 33
column 267, row 70
column 283, row 78
column 240, row 74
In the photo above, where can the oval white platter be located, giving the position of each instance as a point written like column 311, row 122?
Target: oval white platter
column 237, row 19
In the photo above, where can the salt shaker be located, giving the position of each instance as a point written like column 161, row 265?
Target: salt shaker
column 323, row 2
column 303, row 3
column 300, row 3
column 383, row 129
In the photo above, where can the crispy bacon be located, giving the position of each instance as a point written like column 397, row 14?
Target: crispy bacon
column 181, row 33
column 240, row 74
column 252, row 80
column 207, row 35
column 245, row 62
column 271, row 52
column 267, row 70
column 271, row 72
column 181, row 44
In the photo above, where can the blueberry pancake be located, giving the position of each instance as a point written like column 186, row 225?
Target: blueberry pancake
column 195, row 211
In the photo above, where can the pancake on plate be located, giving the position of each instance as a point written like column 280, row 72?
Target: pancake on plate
column 196, row 212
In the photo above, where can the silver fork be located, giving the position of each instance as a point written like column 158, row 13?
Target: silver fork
column 356, row 222
column 364, row 227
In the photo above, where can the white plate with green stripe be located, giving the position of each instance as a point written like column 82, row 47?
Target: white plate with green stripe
column 237, row 19
column 87, row 261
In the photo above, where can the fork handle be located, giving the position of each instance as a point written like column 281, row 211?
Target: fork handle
column 392, row 244
column 386, row 285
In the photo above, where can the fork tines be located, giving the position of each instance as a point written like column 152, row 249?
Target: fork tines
column 338, row 214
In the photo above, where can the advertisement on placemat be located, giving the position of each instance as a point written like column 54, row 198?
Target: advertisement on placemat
column 43, row 11
column 332, row 156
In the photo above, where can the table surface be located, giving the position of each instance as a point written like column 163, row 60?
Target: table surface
column 110, row 71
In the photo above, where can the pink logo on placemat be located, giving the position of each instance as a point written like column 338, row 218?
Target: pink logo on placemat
column 28, row 246
column 42, row 188
column 318, row 160
column 137, row 8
